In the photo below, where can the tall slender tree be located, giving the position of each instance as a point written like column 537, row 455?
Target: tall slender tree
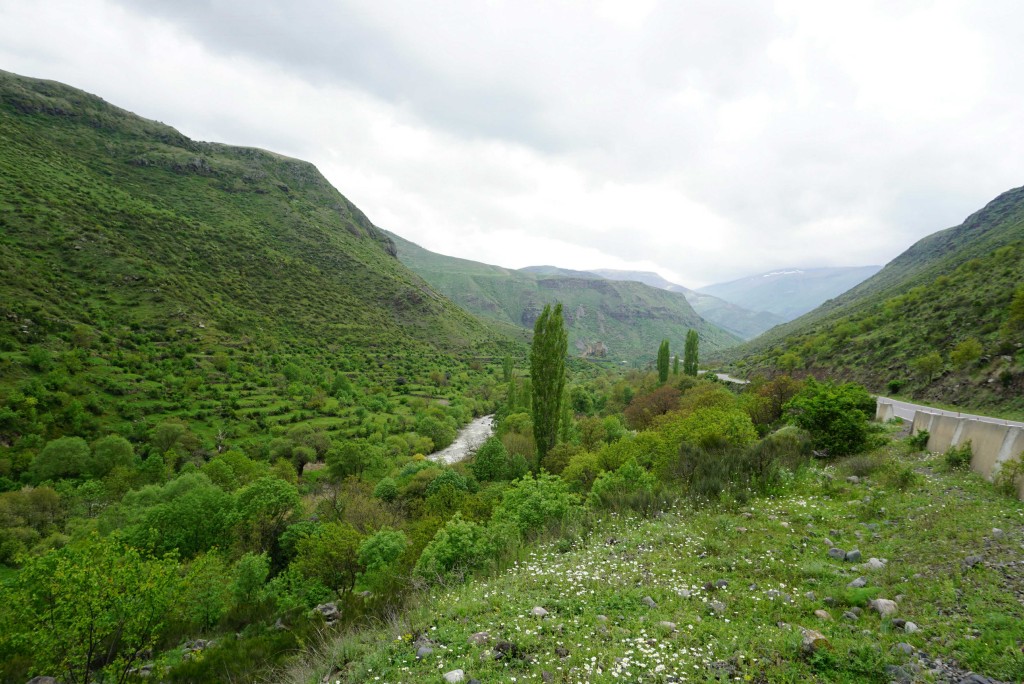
column 663, row 357
column 675, row 365
column 690, row 353
column 547, row 373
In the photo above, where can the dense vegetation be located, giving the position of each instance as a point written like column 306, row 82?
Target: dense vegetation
column 944, row 321
column 605, row 319
column 217, row 390
column 198, row 344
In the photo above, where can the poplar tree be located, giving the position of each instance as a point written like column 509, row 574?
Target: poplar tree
column 547, row 373
column 663, row 356
column 690, row 353
column 675, row 365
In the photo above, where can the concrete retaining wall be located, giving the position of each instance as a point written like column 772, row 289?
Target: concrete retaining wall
column 992, row 443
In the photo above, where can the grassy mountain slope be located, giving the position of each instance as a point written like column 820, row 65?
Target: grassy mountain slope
column 153, row 271
column 790, row 292
column 621, row 321
column 743, row 322
column 950, row 292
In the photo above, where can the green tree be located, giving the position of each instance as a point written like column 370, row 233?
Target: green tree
column 91, row 608
column 927, row 365
column 379, row 556
column 64, row 457
column 108, row 453
column 491, row 461
column 329, row 555
column 1015, row 313
column 547, row 371
column 262, row 511
column 663, row 361
column 966, row 353
column 836, row 416
column 675, row 365
column 690, row 353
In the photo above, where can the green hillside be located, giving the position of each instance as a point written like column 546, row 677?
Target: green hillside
column 742, row 322
column 619, row 321
column 144, row 275
column 790, row 292
column 955, row 294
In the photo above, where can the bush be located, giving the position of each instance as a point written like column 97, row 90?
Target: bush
column 531, row 504
column 386, row 490
column 629, row 487
column 710, row 426
column 958, row 457
column 379, row 555
column 918, row 441
column 459, row 545
column 491, row 461
column 1009, row 476
column 836, row 416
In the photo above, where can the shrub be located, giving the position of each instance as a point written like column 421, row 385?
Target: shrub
column 645, row 407
column 710, row 425
column 379, row 556
column 628, row 487
column 386, row 490
column 958, row 457
column 581, row 471
column 491, row 461
column 1009, row 476
column 533, row 503
column 918, row 441
column 459, row 545
column 836, row 416
column 966, row 352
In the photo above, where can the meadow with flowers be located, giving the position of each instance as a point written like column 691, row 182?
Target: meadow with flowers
column 727, row 591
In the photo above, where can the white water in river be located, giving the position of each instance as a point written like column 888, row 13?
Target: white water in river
column 466, row 442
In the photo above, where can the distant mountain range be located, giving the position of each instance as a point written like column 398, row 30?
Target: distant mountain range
column 621, row 321
column 736, row 319
column 790, row 292
column 951, row 296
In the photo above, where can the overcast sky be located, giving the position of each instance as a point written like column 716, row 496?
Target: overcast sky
column 703, row 139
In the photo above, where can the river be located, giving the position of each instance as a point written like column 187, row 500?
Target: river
column 467, row 441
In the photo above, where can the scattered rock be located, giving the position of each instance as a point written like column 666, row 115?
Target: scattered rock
column 884, row 606
column 685, row 593
column 837, row 554
column 747, row 515
column 562, row 652
column 853, row 556
column 741, row 530
column 423, row 652
column 810, row 596
column 454, row 676
column 649, row 602
column 971, row 561
column 43, row 680
column 910, row 627
column 853, row 479
column 538, row 612
column 813, row 641
column 329, row 611
column 721, row 584
column 875, row 563
column 546, row 676
column 905, row 647
column 665, row 624
column 823, row 614
column 279, row 625
column 480, row 638
column 996, row 532
column 851, row 616
column 858, row 583
column 602, row 618
column 895, row 673
column 716, row 607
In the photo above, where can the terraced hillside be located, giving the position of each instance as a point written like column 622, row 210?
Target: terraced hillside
column 144, row 275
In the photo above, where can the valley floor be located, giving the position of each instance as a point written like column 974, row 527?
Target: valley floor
column 730, row 592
